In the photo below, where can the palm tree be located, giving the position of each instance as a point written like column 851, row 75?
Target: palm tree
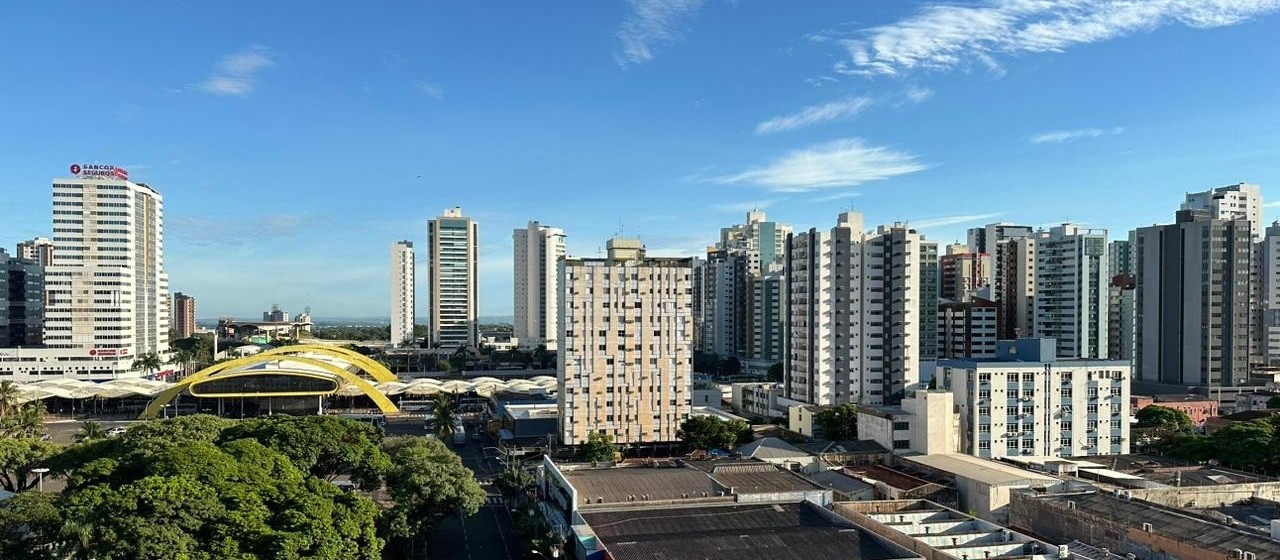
column 91, row 430
column 26, row 421
column 445, row 410
column 149, row 363
column 8, row 398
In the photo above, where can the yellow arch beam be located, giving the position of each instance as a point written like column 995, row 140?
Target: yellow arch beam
column 167, row 396
column 375, row 370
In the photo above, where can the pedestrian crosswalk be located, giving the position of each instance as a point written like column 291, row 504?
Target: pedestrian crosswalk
column 493, row 501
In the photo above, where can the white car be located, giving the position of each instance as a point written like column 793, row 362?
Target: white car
column 116, row 431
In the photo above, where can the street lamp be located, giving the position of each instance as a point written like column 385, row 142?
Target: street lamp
column 40, row 481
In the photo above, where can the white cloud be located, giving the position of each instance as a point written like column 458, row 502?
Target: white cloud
column 652, row 23
column 1060, row 136
column 815, row 114
column 835, row 196
column 916, row 95
column 746, row 206
column 947, row 36
column 236, row 73
column 953, row 220
column 1274, row 204
column 840, row 163
column 429, row 89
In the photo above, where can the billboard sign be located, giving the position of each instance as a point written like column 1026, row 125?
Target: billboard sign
column 98, row 171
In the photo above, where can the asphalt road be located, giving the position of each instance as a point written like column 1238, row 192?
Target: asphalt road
column 489, row 534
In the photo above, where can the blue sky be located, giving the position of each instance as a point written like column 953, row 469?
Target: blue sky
column 293, row 147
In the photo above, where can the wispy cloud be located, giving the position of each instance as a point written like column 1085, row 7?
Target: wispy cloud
column 916, row 95
column 746, row 206
column 953, row 220
column 200, row 231
column 652, row 23
column 835, row 196
column 843, row 109
column 236, row 73
column 1273, row 204
column 840, row 163
column 1060, row 136
column 949, row 36
column 429, row 89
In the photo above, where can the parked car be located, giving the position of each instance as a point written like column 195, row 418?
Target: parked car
column 116, row 431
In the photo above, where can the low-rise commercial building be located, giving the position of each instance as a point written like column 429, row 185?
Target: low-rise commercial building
column 940, row 533
column 984, row 486
column 1198, row 409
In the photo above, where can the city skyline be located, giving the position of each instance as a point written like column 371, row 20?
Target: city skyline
column 710, row 104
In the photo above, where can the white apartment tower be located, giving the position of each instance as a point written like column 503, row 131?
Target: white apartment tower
column 854, row 301
column 537, row 250
column 453, row 248
column 107, row 292
column 1028, row 402
column 1232, row 202
column 626, row 356
column 1012, row 249
column 39, row 250
column 403, row 289
column 1071, row 294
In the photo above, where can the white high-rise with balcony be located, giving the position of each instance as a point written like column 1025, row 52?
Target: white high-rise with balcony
column 537, row 249
column 453, row 248
column 106, row 294
column 1071, row 280
column 403, row 286
column 1232, row 202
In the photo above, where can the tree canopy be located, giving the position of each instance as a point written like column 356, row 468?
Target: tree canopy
column 1156, row 416
column 599, row 448
column 200, row 487
column 706, row 432
column 838, row 423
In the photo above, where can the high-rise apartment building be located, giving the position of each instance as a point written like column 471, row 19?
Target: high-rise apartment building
column 930, row 273
column 1121, row 298
column 768, row 316
column 1071, row 290
column 537, row 250
column 106, row 293
column 1269, row 294
column 184, row 315
column 1193, row 313
column 1012, row 250
column 854, row 301
column 964, row 273
column 1120, row 257
column 39, row 250
column 403, row 293
column 967, row 329
column 745, row 251
column 453, row 245
column 1232, row 202
column 21, row 302
column 1026, row 401
column 275, row 315
column 626, row 356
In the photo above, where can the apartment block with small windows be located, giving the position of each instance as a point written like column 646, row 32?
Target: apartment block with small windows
column 184, row 315
column 453, row 253
column 1026, row 401
column 403, row 293
column 626, row 345
column 537, row 250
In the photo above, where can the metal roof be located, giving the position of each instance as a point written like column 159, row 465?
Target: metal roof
column 981, row 470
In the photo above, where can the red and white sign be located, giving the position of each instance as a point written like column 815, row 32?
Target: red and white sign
column 96, row 170
column 108, row 352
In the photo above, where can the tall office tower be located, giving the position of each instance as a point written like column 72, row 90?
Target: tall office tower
column 1232, row 202
column 403, row 293
column 768, row 315
column 1012, row 251
column 967, row 329
column 21, row 302
column 1269, row 294
column 964, row 273
column 1121, row 298
column 1192, row 314
column 854, row 301
column 184, row 315
column 1027, row 401
column 276, row 315
column 725, row 307
column 699, row 303
column 1120, row 257
column 537, row 250
column 626, row 360
column 1071, row 290
column 453, row 245
column 39, row 249
column 107, row 292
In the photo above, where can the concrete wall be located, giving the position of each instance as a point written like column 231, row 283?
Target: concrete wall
column 1208, row 496
column 1056, row 523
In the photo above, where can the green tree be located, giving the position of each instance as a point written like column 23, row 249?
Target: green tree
column 544, row 358
column 24, row 420
column 444, row 412
column 1248, row 445
column 148, row 363
column 838, row 423
column 706, row 362
column 29, row 522
column 427, row 482
column 1273, row 402
column 730, row 366
column 324, row 446
column 91, row 430
column 514, row 482
column 599, row 448
column 775, row 373
column 18, row 456
column 1156, row 416
column 9, row 395
column 706, row 432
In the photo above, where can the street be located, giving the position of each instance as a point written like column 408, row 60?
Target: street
column 490, row 534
